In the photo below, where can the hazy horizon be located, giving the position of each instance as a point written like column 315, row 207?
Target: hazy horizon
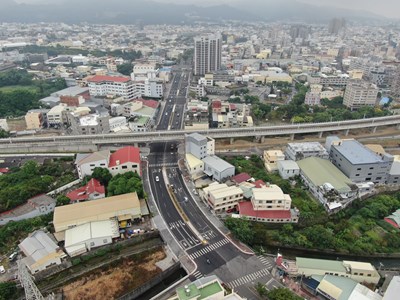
column 386, row 8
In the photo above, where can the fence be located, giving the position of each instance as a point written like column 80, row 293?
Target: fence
column 63, row 188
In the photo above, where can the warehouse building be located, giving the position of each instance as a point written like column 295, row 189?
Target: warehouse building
column 217, row 168
column 40, row 252
column 116, row 207
column 327, row 183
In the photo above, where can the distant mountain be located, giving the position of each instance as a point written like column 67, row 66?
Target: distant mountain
column 152, row 12
column 292, row 10
column 121, row 11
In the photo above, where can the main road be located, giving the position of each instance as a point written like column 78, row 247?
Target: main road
column 212, row 251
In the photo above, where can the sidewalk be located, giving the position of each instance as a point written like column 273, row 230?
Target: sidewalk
column 207, row 211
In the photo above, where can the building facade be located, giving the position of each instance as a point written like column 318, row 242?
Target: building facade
column 102, row 86
column 360, row 93
column 359, row 163
column 207, row 54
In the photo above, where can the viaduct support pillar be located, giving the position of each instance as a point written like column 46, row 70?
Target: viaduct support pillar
column 262, row 139
column 398, row 126
column 320, row 135
column 231, row 140
column 346, row 132
column 374, row 129
column 292, row 137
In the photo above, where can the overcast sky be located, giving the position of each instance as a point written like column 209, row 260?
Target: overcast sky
column 388, row 8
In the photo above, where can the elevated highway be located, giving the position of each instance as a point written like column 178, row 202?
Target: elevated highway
column 94, row 142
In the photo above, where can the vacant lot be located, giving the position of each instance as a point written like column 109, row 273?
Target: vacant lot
column 117, row 279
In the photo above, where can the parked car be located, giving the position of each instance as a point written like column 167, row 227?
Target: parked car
column 13, row 256
column 2, row 270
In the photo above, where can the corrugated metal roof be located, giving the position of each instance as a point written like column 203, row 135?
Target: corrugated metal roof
column 320, row 264
column 321, row 171
column 217, row 163
column 356, row 153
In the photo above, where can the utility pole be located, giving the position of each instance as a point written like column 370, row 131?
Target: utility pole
column 31, row 290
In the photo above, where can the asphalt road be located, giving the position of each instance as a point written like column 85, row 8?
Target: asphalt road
column 212, row 252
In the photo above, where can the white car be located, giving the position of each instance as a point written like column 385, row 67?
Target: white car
column 157, row 178
column 2, row 270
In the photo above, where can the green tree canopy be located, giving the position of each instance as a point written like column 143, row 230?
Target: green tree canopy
column 282, row 294
column 125, row 69
column 103, row 175
column 125, row 183
column 62, row 200
column 8, row 290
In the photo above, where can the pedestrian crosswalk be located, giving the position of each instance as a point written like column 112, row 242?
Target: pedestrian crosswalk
column 163, row 165
column 266, row 261
column 197, row 275
column 208, row 235
column 209, row 248
column 248, row 278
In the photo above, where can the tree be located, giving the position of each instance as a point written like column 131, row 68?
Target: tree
column 62, row 200
column 4, row 134
column 282, row 294
column 241, row 229
column 125, row 69
column 8, row 290
column 261, row 289
column 125, row 183
column 103, row 175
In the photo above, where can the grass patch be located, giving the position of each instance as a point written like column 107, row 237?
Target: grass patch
column 7, row 89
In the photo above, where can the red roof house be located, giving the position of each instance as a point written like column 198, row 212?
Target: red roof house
column 274, row 216
column 92, row 190
column 242, row 177
column 124, row 160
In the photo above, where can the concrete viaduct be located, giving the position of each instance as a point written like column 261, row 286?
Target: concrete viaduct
column 86, row 143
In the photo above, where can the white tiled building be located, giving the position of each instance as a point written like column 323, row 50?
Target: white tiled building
column 222, row 197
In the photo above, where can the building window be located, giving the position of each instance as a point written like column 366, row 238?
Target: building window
column 92, row 244
column 358, row 169
column 369, row 178
column 124, row 167
column 378, row 178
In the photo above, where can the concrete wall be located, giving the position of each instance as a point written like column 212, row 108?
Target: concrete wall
column 63, row 188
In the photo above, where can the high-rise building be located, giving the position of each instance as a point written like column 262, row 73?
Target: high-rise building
column 336, row 25
column 395, row 82
column 207, row 54
column 360, row 93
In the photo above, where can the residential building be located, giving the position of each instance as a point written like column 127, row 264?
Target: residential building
column 141, row 108
column 217, row 168
column 207, row 54
column 55, row 115
column 88, row 124
column 194, row 165
column 394, row 219
column 40, row 251
column 141, row 124
column 206, row 288
column 36, row 118
column 117, row 123
column 85, row 163
column 35, row 206
column 358, row 271
column 360, row 93
column 85, row 237
column 102, row 86
column 359, row 163
column 68, row 216
column 72, row 100
column 91, row 191
column 338, row 287
column 271, row 158
column 199, row 145
column 312, row 98
column 327, row 183
column 288, row 168
column 298, row 151
column 394, row 173
column 124, row 160
column 151, row 88
column 241, row 177
column 269, row 204
column 222, row 198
